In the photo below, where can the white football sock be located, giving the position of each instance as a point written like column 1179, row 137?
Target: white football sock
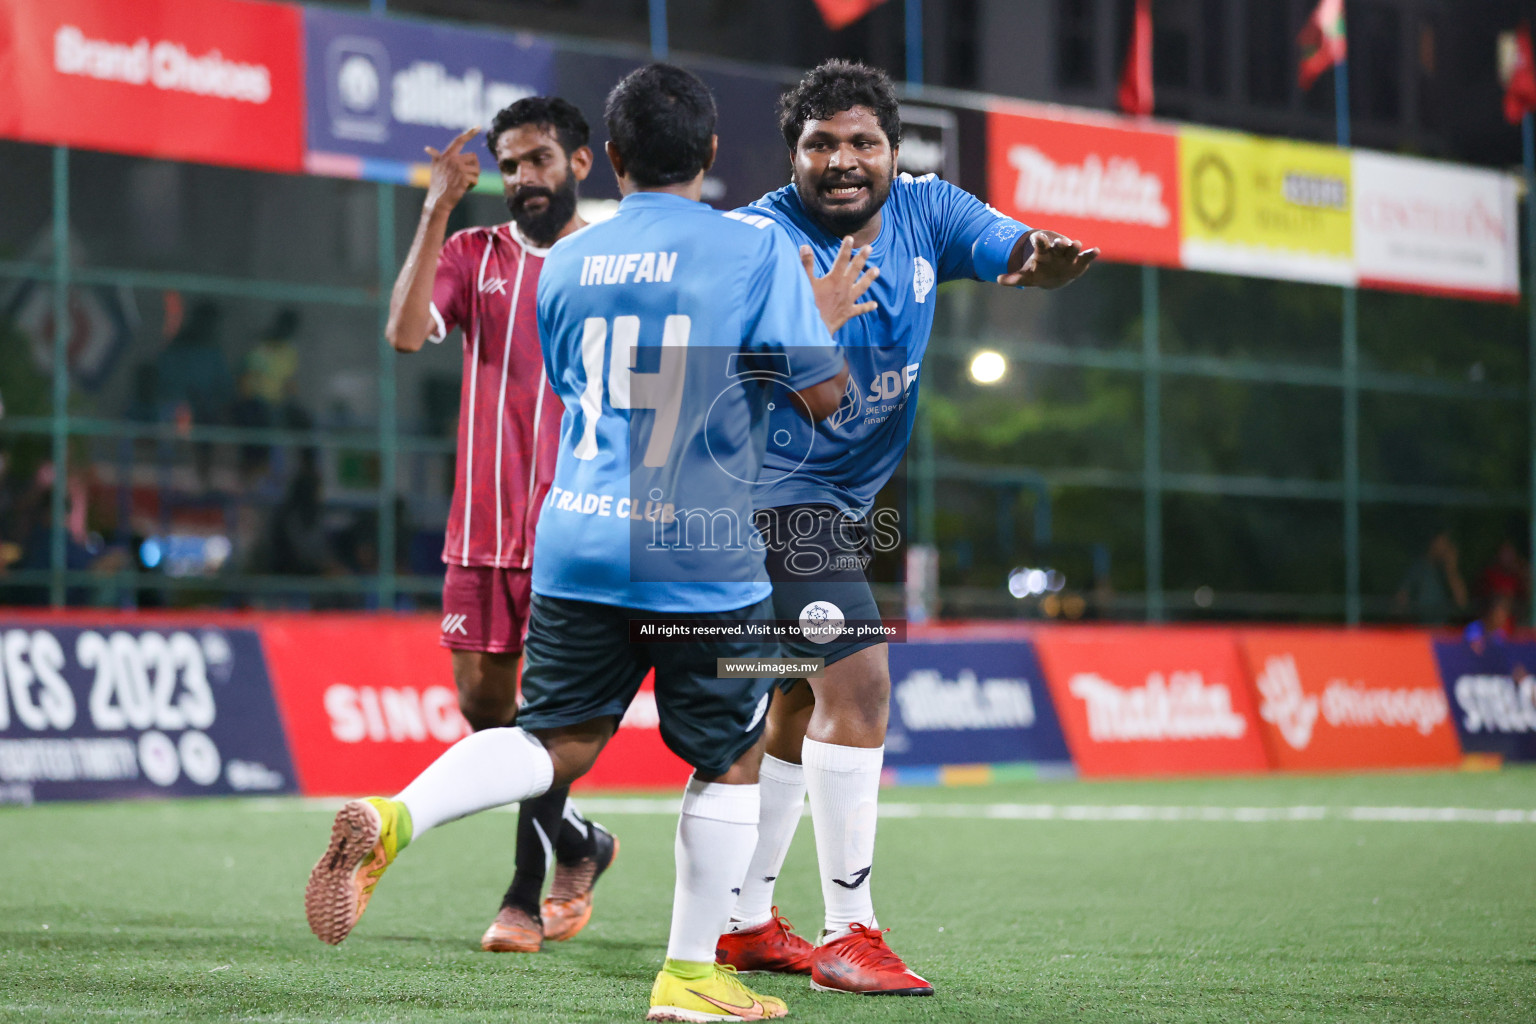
column 783, row 802
column 483, row 770
column 844, row 787
column 715, row 836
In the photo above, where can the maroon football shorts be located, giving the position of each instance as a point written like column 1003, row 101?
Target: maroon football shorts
column 485, row 609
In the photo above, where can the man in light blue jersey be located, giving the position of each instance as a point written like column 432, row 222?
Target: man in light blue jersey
column 670, row 334
column 826, row 737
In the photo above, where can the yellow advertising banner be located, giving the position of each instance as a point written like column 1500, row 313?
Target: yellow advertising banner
column 1266, row 207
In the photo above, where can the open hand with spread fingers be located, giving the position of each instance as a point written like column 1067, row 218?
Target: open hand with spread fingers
column 1050, row 261
column 839, row 290
column 454, row 171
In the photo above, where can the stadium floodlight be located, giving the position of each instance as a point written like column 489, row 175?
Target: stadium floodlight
column 988, row 367
column 1026, row 582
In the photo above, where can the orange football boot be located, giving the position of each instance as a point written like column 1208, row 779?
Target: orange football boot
column 513, row 931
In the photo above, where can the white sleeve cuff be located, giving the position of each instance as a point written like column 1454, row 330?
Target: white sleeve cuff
column 439, row 329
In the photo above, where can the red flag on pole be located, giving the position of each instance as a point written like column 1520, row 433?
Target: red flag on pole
column 1323, row 41
column 842, row 13
column 1135, row 94
column 1519, row 77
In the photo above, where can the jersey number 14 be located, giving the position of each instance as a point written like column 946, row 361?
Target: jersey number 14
column 660, row 391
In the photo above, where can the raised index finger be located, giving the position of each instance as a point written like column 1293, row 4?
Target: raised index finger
column 459, row 140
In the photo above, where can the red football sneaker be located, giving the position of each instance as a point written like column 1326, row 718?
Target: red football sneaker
column 769, row 947
column 861, row 962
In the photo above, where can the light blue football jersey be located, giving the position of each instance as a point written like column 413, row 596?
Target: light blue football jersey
column 670, row 333
column 930, row 232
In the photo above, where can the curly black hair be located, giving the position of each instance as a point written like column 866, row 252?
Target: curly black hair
column 835, row 86
column 561, row 116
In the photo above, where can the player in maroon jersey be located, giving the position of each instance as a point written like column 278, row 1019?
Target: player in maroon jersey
column 484, row 281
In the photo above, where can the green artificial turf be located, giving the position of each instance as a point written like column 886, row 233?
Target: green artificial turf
column 192, row 911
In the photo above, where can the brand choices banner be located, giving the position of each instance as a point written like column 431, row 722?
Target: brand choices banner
column 381, row 89
column 1113, row 187
column 113, row 712
column 1152, row 701
column 1492, row 693
column 970, row 703
column 1356, row 699
column 209, row 81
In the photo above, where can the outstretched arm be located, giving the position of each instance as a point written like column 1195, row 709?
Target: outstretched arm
column 1046, row 259
column 410, row 304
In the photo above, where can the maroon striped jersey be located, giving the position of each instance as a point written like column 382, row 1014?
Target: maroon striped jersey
column 509, row 419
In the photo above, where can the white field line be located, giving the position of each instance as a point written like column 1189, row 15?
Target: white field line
column 599, row 807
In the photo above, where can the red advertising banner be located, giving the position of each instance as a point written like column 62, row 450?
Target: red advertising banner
column 1148, row 701
column 210, row 81
column 1358, row 699
column 1116, row 188
column 368, row 701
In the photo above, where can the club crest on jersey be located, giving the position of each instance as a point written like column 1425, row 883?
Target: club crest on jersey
column 454, row 624
column 922, row 278
column 498, row 286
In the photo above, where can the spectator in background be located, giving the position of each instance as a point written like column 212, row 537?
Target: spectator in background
column 299, row 544
column 1504, row 588
column 267, row 391
column 192, row 374
column 1432, row 591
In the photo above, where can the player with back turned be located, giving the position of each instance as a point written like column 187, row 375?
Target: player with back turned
column 826, row 736
column 485, row 281
column 670, row 332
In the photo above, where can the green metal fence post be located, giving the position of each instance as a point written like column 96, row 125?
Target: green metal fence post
column 1351, row 457
column 57, row 557
column 1152, row 442
column 389, row 428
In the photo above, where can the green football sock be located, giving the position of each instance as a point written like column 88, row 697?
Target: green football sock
column 689, row 970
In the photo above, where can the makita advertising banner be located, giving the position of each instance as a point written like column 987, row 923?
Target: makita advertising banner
column 127, row 711
column 1152, row 701
column 1109, row 185
column 382, row 89
column 369, row 701
column 1492, row 692
column 1355, row 699
column 970, row 703
column 208, row 81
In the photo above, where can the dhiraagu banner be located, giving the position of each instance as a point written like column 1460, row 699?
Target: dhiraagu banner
column 1265, row 207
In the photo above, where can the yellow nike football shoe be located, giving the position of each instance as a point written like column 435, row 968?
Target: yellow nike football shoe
column 365, row 839
column 703, row 993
